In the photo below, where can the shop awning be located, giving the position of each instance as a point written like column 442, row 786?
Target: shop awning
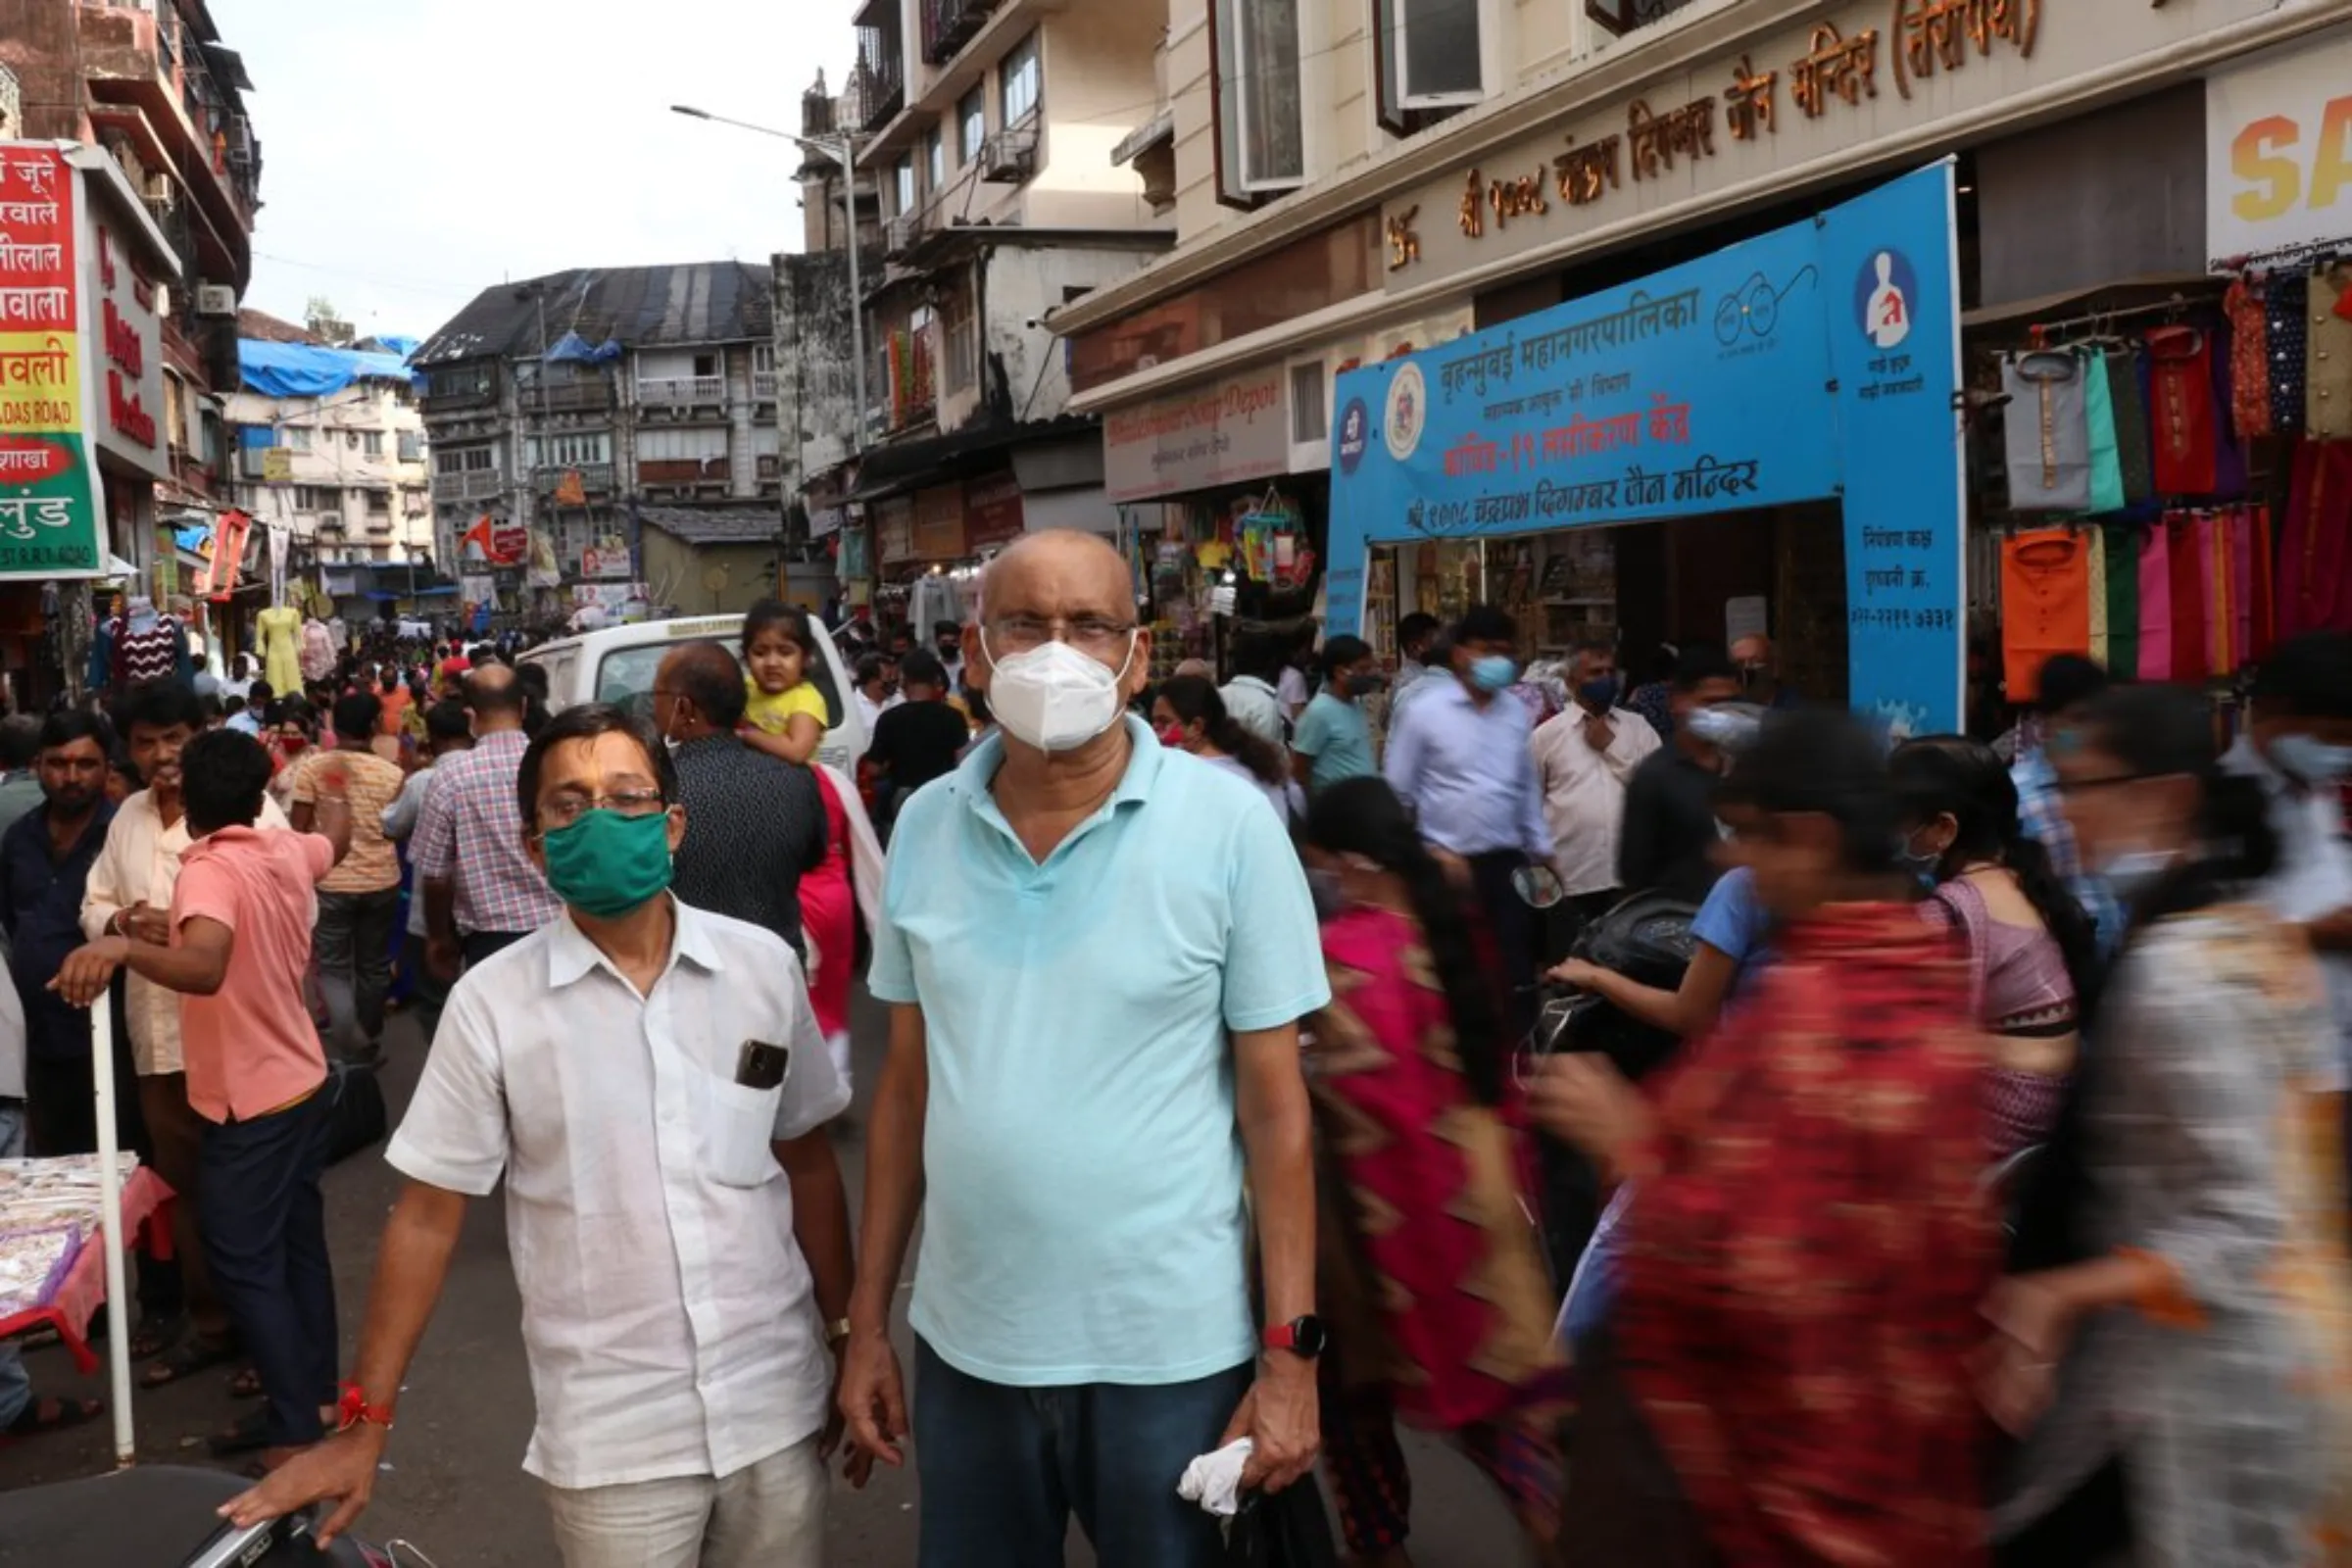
column 2149, row 289
column 895, row 470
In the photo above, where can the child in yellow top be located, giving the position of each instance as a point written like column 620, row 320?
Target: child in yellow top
column 785, row 715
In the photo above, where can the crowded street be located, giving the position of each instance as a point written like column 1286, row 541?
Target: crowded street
column 470, row 1403
column 1176, row 784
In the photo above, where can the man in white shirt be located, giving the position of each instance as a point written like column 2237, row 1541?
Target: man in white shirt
column 1250, row 699
column 1584, row 759
column 130, row 894
column 2298, row 746
column 649, row 1081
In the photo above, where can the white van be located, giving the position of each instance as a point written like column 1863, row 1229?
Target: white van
column 618, row 666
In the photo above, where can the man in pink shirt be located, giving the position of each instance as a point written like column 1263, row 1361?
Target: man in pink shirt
column 241, row 918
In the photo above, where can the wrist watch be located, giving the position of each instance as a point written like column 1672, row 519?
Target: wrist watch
column 1302, row 1337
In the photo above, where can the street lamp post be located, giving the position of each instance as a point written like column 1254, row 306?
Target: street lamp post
column 845, row 150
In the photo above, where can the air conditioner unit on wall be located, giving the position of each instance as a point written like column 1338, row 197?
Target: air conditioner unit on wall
column 216, row 299
column 1009, row 156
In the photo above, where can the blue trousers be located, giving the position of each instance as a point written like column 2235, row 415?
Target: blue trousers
column 1004, row 1468
column 264, row 1222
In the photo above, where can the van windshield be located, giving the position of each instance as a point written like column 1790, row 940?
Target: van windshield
column 625, row 678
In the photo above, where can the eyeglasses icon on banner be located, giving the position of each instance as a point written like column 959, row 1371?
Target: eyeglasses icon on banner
column 1755, row 308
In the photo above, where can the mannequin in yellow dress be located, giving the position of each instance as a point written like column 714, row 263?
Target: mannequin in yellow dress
column 280, row 630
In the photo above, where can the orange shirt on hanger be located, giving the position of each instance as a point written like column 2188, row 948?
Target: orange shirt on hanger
column 2045, row 605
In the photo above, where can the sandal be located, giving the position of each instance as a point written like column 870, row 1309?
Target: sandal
column 155, row 1336
column 40, row 1416
column 185, row 1359
column 245, row 1384
column 249, row 1434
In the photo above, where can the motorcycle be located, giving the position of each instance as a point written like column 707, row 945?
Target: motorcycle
column 164, row 1517
column 1648, row 938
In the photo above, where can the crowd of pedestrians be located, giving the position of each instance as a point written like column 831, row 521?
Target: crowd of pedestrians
column 1988, row 1205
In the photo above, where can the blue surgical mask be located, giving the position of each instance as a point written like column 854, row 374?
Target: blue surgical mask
column 2312, row 760
column 1600, row 695
column 1493, row 672
column 1717, row 727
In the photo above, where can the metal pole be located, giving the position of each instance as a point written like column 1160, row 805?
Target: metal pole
column 849, row 167
column 110, row 1229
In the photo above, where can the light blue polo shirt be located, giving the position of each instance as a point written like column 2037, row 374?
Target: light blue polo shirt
column 1083, row 1169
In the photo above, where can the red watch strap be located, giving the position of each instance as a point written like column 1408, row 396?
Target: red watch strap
column 1282, row 1336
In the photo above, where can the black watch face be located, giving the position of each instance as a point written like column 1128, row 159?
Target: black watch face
column 1308, row 1338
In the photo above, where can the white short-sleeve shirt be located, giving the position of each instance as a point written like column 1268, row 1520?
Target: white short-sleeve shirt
column 666, row 1309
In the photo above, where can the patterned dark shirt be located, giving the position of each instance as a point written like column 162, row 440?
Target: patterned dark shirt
column 754, row 825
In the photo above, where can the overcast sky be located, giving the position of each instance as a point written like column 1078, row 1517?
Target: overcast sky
column 416, row 152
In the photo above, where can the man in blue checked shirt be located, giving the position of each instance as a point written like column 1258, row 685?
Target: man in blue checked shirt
column 2069, row 681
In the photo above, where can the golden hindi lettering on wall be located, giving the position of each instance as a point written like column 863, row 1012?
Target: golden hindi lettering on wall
column 1837, row 66
column 1933, row 35
column 1748, row 101
column 1404, row 242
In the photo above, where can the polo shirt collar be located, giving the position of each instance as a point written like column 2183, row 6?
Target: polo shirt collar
column 572, row 957
column 978, row 769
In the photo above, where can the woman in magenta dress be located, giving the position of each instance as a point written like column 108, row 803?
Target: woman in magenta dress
column 829, row 905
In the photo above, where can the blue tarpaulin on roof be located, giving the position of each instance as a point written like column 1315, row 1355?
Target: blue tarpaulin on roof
column 304, row 371
column 401, row 346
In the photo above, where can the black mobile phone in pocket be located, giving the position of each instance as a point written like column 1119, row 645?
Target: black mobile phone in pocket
column 762, row 1065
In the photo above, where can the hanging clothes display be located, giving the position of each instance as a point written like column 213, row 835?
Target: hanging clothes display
column 2286, row 332
column 146, row 646
column 2122, row 551
column 2096, row 591
column 2249, row 357
column 2181, row 364
column 2045, row 605
column 2315, row 548
column 2128, row 405
column 2098, row 413
column 2220, row 612
column 2238, row 529
column 2265, row 593
column 2328, row 354
column 2048, row 439
column 2192, row 581
column 2156, row 605
column 279, row 631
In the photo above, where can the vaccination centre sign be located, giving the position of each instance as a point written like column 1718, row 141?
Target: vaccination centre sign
column 1818, row 362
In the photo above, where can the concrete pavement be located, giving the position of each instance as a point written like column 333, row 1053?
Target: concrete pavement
column 453, row 1482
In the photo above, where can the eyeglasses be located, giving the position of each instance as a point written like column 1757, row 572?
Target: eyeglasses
column 1089, row 634
column 565, row 810
column 2107, row 782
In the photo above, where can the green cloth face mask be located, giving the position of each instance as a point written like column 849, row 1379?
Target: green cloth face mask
column 606, row 864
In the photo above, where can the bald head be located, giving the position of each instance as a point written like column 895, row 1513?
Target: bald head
column 1065, row 558
column 698, row 692
column 496, row 699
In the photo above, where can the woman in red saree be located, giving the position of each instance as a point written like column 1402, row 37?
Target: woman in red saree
column 1807, row 1241
column 1428, row 1267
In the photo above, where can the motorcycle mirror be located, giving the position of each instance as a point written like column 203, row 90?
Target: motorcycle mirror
column 1539, row 885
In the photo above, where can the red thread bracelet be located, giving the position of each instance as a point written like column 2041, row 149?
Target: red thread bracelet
column 354, row 1409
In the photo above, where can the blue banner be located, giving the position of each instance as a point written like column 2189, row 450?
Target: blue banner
column 1818, row 359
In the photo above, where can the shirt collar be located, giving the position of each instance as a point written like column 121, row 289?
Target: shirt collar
column 979, row 768
column 570, row 956
column 208, row 844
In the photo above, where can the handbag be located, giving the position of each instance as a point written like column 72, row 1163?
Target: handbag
column 1287, row 1530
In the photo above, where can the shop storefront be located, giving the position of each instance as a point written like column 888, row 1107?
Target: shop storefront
column 82, row 435
column 1815, row 363
column 2084, row 147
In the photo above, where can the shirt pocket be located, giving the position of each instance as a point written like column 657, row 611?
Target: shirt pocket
column 738, row 1129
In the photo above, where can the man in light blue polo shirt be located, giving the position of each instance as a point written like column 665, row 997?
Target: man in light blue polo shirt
column 1097, row 951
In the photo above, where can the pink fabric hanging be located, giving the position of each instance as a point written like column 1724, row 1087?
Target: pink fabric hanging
column 2240, row 523
column 2156, row 605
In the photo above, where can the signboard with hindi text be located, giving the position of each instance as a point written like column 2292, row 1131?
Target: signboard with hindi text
column 51, row 515
column 1813, row 362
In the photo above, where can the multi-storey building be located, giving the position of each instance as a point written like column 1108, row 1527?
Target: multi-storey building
column 569, row 412
column 1357, row 181
column 989, row 125
column 339, row 475
column 153, row 86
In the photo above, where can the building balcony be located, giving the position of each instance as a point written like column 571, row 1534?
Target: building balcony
column 949, row 24
column 596, row 478
column 573, row 397
column 685, row 472
column 683, row 391
column 878, row 84
column 481, row 484
column 141, row 64
column 763, row 386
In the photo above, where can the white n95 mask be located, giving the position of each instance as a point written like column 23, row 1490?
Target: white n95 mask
column 1054, row 698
